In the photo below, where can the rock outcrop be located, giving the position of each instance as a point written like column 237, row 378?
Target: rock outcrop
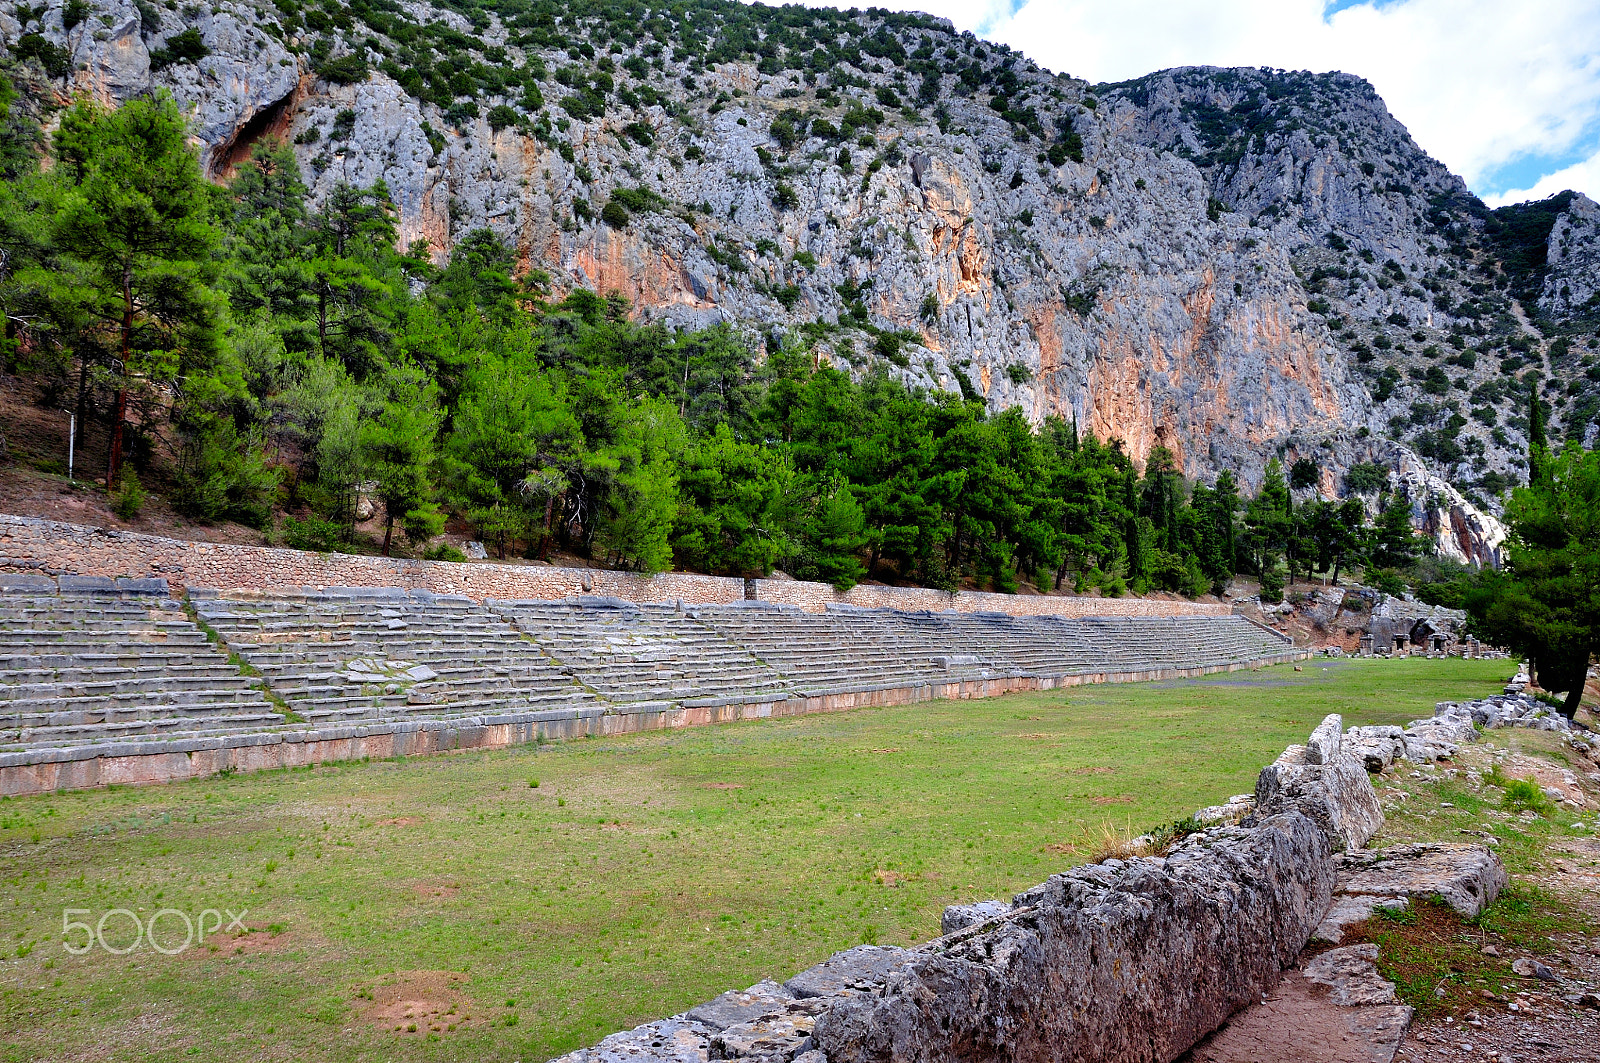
column 1230, row 264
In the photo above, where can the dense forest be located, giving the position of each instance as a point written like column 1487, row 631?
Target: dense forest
column 281, row 366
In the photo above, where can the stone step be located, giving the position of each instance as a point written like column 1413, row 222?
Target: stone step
column 164, row 727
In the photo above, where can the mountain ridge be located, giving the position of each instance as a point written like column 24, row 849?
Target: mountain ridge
column 1229, row 263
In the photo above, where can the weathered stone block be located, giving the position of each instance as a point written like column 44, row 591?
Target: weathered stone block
column 1085, row 967
column 675, row 1040
column 861, row 969
column 735, row 1006
column 1350, row 976
column 145, row 585
column 1376, row 747
column 1337, row 796
column 960, row 916
column 774, row 1038
column 26, row 583
column 1323, row 745
column 86, row 584
column 1467, row 877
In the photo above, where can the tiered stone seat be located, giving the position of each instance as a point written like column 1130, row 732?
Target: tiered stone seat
column 843, row 650
column 85, row 668
column 1142, row 644
column 356, row 657
column 96, row 661
column 633, row 654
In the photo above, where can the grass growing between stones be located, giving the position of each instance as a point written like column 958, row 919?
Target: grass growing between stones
column 1436, row 959
column 444, row 908
column 1488, row 794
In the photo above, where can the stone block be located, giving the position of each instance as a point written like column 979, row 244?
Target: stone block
column 1376, row 747
column 26, row 583
column 675, row 1040
column 145, row 585
column 736, row 1006
column 1351, row 976
column 1298, row 1023
column 1324, row 744
column 1467, row 877
column 86, row 584
column 774, row 1038
column 1337, row 796
column 960, row 916
column 861, row 969
column 1235, row 809
column 1083, row 966
column 1349, row 911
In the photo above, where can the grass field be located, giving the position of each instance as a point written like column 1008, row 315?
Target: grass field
column 448, row 908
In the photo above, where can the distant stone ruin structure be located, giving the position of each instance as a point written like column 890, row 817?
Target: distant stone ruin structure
column 112, row 674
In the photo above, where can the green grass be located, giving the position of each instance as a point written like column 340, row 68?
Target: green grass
column 640, row 876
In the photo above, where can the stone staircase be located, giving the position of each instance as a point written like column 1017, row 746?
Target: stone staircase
column 643, row 654
column 95, row 661
column 843, row 651
column 354, row 657
column 98, row 663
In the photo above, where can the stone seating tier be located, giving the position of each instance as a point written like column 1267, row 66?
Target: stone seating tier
column 119, row 661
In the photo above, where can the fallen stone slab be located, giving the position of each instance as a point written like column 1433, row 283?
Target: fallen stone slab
column 675, row 1040
column 1337, row 795
column 1350, row 975
column 1352, row 911
column 1376, row 747
column 1466, row 877
column 736, row 1006
column 960, row 916
column 858, row 970
column 1083, row 966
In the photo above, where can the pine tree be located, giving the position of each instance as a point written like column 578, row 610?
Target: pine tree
column 133, row 214
column 397, row 448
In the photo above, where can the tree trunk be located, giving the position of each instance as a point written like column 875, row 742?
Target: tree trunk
column 83, row 403
column 115, row 464
column 388, row 530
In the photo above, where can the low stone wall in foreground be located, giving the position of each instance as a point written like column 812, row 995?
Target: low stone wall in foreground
column 31, row 545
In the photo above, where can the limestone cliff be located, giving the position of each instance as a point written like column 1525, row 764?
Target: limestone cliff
column 1229, row 263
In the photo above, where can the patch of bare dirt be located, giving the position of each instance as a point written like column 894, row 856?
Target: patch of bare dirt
column 435, row 890
column 254, row 941
column 421, row 1002
column 398, row 821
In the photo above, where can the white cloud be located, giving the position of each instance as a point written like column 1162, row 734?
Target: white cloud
column 1481, row 84
column 1583, row 176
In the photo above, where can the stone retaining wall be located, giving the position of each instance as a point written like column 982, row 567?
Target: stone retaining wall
column 134, row 763
column 31, row 545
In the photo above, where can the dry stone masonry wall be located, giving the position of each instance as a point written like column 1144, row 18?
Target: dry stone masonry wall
column 52, row 548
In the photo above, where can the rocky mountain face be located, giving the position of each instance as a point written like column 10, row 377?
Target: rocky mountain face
column 1228, row 263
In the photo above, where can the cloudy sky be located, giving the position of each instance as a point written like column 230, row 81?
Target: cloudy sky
column 1504, row 92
